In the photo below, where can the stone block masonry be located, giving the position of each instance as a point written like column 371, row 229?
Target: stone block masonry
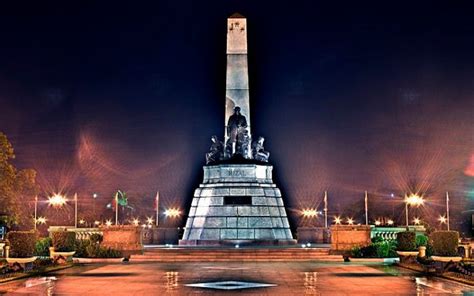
column 237, row 203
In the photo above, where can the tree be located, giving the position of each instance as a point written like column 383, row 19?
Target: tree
column 16, row 186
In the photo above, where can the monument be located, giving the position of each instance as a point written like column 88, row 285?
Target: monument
column 237, row 202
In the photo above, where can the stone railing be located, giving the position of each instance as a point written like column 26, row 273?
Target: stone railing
column 390, row 233
column 81, row 233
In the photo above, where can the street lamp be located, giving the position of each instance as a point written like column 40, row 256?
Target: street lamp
column 350, row 221
column 41, row 220
column 442, row 219
column 337, row 220
column 390, row 222
column 417, row 221
column 173, row 213
column 136, row 222
column 149, row 220
column 57, row 200
column 412, row 200
column 307, row 213
column 94, row 197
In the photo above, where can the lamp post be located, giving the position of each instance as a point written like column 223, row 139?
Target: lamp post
column 116, row 208
column 366, row 209
column 94, row 196
column 447, row 209
column 412, row 200
column 325, row 209
column 157, row 204
column 36, row 211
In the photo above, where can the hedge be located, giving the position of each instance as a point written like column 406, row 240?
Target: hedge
column 90, row 249
column 406, row 241
column 384, row 249
column 421, row 240
column 445, row 243
column 22, row 243
column 64, row 241
column 42, row 246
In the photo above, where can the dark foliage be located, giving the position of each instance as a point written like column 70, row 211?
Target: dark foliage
column 406, row 241
column 22, row 243
column 445, row 243
column 64, row 241
column 42, row 246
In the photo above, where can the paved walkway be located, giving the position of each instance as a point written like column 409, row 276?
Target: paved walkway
column 298, row 278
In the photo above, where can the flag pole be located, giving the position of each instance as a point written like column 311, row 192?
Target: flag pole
column 366, row 209
column 157, row 206
column 75, row 210
column 447, row 209
column 116, row 208
column 325, row 209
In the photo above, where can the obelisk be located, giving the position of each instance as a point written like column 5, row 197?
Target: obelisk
column 237, row 78
column 237, row 202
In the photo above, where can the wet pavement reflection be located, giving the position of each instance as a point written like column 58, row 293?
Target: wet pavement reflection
column 283, row 278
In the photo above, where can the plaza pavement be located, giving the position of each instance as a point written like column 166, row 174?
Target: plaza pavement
column 290, row 278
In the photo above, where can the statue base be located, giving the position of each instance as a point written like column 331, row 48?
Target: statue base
column 237, row 204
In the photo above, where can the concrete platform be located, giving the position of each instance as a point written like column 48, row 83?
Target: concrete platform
column 235, row 254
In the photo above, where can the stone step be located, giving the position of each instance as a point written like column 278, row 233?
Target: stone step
column 234, row 257
column 197, row 259
column 233, row 254
column 239, row 251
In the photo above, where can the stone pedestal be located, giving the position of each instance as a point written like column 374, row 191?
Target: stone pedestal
column 345, row 237
column 125, row 238
column 237, row 204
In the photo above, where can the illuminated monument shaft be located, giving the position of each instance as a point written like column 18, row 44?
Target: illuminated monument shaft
column 237, row 78
column 237, row 202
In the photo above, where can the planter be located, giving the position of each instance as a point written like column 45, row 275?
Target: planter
column 407, row 253
column 446, row 259
column 64, row 254
column 422, row 251
column 53, row 253
column 97, row 260
column 21, row 260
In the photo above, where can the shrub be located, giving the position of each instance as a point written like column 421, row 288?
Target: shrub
column 81, row 248
column 406, row 241
column 64, row 241
column 96, row 238
column 42, row 246
column 386, row 249
column 356, row 252
column 109, row 253
column 43, row 262
column 421, row 240
column 89, row 249
column 377, row 239
column 445, row 243
column 22, row 243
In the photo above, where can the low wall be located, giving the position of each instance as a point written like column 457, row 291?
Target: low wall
column 162, row 236
column 390, row 232
column 345, row 237
column 314, row 235
column 126, row 238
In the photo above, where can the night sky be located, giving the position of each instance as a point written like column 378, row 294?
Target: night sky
column 98, row 97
